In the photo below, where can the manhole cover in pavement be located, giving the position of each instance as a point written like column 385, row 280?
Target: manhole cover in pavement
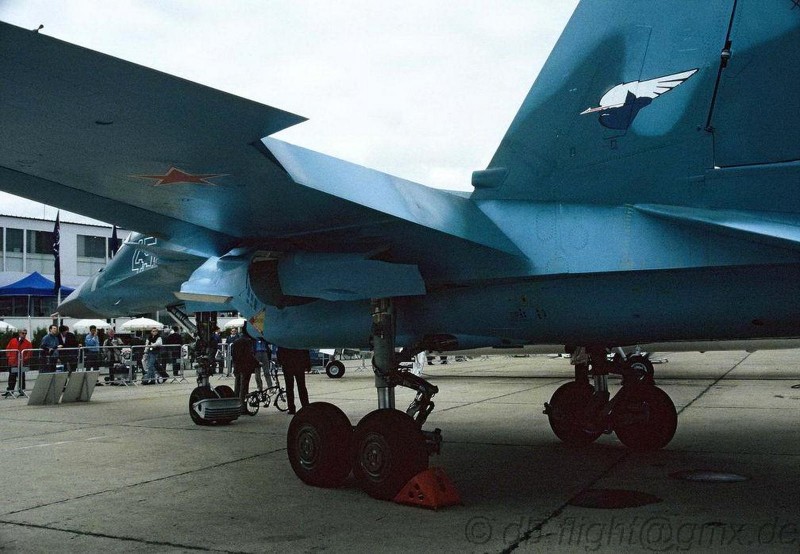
column 613, row 499
column 708, row 476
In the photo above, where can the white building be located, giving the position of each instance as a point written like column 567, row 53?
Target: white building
column 27, row 246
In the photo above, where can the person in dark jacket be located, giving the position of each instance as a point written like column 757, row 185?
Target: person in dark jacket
column 68, row 348
column 244, row 364
column 213, row 350
column 295, row 363
column 49, row 346
column 172, row 352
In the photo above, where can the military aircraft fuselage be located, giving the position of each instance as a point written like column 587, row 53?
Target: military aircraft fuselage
column 610, row 308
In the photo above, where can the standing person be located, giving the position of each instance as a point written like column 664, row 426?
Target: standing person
column 263, row 354
column 19, row 348
column 137, row 354
column 226, row 350
column 50, row 345
column 112, row 350
column 68, row 345
column 295, row 363
column 244, row 364
column 173, row 344
column 91, row 350
column 213, row 350
column 152, row 346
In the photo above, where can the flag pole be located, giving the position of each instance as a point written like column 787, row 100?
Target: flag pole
column 57, row 262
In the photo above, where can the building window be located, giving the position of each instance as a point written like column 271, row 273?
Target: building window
column 91, row 247
column 14, row 240
column 39, row 248
column 40, row 242
column 13, row 252
column 91, row 254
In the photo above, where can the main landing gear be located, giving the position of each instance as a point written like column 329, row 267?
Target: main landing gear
column 641, row 414
column 387, row 447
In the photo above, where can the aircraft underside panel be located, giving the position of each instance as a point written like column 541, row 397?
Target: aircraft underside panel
column 612, row 309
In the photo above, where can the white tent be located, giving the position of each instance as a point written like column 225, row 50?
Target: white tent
column 82, row 325
column 238, row 323
column 6, row 327
column 140, row 324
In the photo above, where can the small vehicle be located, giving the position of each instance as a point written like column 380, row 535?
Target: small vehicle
column 254, row 399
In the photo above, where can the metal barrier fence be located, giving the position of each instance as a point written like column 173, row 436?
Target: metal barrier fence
column 124, row 364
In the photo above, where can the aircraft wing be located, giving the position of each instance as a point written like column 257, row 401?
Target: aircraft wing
column 186, row 163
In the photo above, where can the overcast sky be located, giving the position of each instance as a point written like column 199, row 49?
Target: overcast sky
column 421, row 89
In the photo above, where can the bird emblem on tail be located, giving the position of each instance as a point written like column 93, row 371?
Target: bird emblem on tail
column 620, row 105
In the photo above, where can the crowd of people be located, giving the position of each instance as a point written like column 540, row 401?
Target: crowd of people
column 61, row 350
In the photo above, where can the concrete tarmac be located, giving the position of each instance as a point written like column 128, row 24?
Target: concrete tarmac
column 130, row 472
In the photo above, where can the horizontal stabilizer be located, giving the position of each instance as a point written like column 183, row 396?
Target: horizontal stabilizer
column 776, row 229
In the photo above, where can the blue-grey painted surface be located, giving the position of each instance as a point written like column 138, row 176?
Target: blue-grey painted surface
column 642, row 193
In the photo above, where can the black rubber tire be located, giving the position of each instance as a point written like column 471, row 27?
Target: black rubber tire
column 319, row 444
column 643, row 368
column 200, row 393
column 224, row 391
column 656, row 412
column 335, row 369
column 251, row 405
column 282, row 404
column 566, row 413
column 389, row 449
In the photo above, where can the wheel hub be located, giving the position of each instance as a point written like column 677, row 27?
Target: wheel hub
column 374, row 455
column 309, row 441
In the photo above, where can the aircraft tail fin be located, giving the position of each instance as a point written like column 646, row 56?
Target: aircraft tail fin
column 639, row 100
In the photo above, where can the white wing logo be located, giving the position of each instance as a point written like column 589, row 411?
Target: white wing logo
column 619, row 106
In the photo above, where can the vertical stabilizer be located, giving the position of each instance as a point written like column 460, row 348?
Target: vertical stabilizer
column 621, row 111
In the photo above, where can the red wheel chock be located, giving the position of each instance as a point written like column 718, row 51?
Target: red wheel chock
column 431, row 488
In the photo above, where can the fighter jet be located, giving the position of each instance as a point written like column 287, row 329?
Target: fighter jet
column 679, row 222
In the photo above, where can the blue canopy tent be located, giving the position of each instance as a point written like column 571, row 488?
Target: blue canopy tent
column 35, row 292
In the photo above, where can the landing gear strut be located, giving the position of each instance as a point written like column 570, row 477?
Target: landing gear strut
column 641, row 414
column 387, row 447
column 390, row 446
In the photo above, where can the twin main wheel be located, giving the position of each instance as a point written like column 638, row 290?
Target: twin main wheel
column 385, row 450
column 319, row 443
column 567, row 413
column 643, row 417
column 389, row 449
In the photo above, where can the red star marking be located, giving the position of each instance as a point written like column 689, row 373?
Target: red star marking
column 175, row 176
